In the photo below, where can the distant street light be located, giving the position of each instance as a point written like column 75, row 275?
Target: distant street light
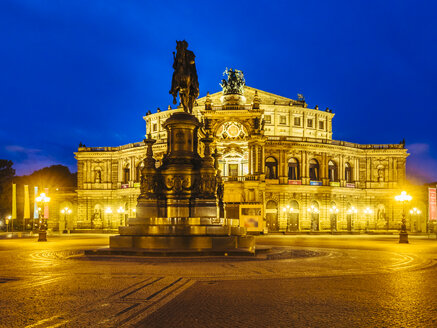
column 120, row 211
column 287, row 209
column 352, row 211
column 334, row 211
column 367, row 212
column 42, row 228
column 403, row 198
column 108, row 212
column 7, row 220
column 66, row 211
column 414, row 213
column 314, row 220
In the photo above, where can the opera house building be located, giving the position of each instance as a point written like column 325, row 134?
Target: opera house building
column 282, row 170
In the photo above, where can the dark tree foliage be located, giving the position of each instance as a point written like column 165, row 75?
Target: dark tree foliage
column 55, row 176
column 6, row 175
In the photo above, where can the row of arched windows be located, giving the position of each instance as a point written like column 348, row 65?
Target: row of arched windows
column 271, row 170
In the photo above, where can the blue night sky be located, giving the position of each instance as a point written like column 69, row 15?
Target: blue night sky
column 87, row 71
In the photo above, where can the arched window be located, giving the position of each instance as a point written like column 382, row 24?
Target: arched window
column 314, row 170
column 332, row 171
column 293, row 169
column 271, row 168
column 347, row 172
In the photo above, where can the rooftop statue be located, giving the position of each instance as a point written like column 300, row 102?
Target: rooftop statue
column 184, row 77
column 235, row 83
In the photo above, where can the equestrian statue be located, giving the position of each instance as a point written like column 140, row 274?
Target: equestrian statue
column 184, row 77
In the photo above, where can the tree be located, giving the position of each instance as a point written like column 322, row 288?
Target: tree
column 55, row 176
column 6, row 175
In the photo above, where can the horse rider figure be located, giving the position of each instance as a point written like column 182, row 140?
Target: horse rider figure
column 184, row 77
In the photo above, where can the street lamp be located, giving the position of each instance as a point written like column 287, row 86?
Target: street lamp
column 333, row 210
column 120, row 211
column 313, row 210
column 367, row 211
column 66, row 211
column 108, row 212
column 414, row 212
column 351, row 211
column 288, row 210
column 403, row 198
column 11, row 221
column 7, row 220
column 42, row 229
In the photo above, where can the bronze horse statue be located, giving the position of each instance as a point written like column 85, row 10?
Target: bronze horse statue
column 184, row 77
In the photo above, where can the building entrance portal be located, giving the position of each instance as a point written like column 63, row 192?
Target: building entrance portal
column 272, row 216
column 349, row 222
column 293, row 222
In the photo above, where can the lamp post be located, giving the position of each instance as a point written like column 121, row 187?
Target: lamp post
column 351, row 211
column 313, row 210
column 403, row 234
column 66, row 211
column 120, row 211
column 414, row 212
column 367, row 211
column 288, row 210
column 333, row 210
column 42, row 229
column 8, row 219
column 108, row 212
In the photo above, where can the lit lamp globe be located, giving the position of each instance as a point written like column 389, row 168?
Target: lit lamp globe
column 403, row 198
column 42, row 232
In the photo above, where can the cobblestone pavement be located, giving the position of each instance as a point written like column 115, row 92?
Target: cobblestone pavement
column 355, row 281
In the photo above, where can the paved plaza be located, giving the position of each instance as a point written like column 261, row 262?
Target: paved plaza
column 315, row 281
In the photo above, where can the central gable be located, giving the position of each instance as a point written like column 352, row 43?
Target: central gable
column 267, row 98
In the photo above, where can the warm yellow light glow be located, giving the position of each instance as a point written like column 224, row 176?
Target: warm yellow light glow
column 120, row 210
column 134, row 210
column 333, row 209
column 66, row 210
column 415, row 211
column 313, row 209
column 367, row 211
column 108, row 210
column 403, row 197
column 42, row 198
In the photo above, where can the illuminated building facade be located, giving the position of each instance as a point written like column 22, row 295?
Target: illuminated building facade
column 276, row 156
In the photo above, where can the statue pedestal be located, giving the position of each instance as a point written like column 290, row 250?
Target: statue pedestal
column 403, row 238
column 177, row 210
